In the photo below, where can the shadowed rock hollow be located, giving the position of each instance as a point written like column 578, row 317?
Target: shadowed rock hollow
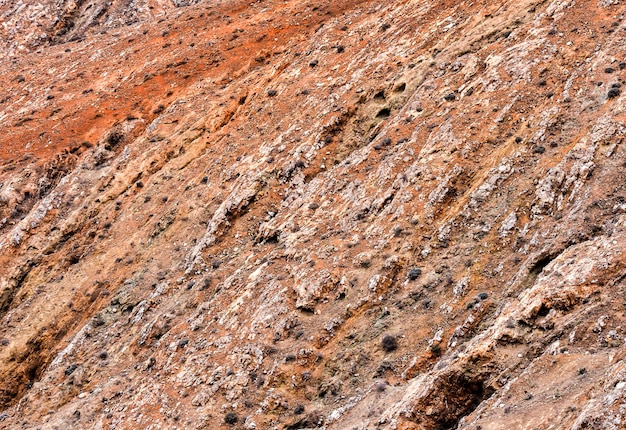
column 341, row 215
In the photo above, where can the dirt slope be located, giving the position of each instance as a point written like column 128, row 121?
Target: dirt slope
column 340, row 215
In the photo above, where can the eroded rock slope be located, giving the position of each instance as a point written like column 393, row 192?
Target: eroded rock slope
column 342, row 214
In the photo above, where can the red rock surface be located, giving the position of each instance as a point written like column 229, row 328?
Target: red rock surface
column 212, row 214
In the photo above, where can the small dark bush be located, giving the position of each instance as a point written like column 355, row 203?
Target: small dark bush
column 613, row 92
column 340, row 49
column 449, row 97
column 272, row 93
column 313, row 63
column 381, row 386
column 299, row 410
column 483, row 296
column 609, row 70
column 389, row 343
column 231, row 418
column 414, row 273
column 539, row 150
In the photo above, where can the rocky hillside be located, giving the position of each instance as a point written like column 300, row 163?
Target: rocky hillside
column 344, row 214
